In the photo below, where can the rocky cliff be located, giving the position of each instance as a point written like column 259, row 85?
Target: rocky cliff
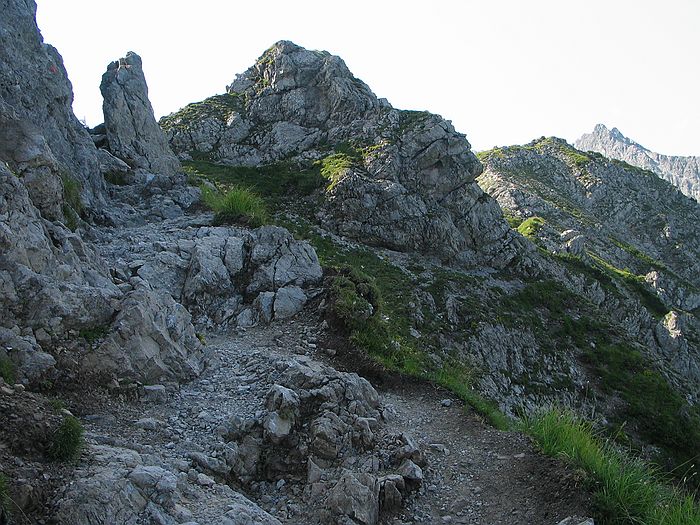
column 682, row 172
column 398, row 179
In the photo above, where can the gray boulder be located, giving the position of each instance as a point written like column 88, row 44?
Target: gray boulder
column 151, row 339
column 356, row 495
column 132, row 132
column 118, row 486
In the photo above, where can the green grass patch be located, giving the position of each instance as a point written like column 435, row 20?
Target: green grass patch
column 67, row 441
column 72, row 203
column 273, row 182
column 333, row 167
column 531, row 226
column 7, row 370
column 513, row 220
column 385, row 335
column 658, row 412
column 238, row 205
column 627, row 491
column 459, row 379
column 94, row 333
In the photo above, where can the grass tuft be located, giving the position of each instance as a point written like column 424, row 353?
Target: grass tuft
column 67, row 440
column 529, row 227
column 7, row 370
column 627, row 491
column 238, row 205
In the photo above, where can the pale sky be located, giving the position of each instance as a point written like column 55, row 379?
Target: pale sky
column 503, row 71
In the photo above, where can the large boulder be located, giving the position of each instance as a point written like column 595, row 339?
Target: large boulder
column 132, row 132
column 152, row 340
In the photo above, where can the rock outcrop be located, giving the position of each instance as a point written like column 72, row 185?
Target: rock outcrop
column 682, row 172
column 329, row 427
column 224, row 276
column 132, row 133
column 398, row 179
column 52, row 281
column 40, row 137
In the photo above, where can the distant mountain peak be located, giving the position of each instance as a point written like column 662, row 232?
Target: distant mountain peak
column 683, row 172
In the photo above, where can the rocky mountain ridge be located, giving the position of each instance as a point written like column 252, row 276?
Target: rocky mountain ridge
column 402, row 180
column 203, row 361
column 682, row 172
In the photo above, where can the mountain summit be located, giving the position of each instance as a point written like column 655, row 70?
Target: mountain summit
column 683, row 172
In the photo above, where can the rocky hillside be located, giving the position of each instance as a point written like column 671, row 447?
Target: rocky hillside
column 399, row 179
column 465, row 300
column 682, row 172
column 161, row 362
column 624, row 222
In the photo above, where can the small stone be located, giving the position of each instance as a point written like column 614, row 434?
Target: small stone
column 205, row 480
column 147, row 423
column 19, row 387
column 155, row 393
column 446, row 402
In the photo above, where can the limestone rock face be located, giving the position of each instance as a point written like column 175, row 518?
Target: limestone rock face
column 152, row 339
column 40, row 137
column 132, row 132
column 51, row 280
column 682, row 172
column 120, row 486
column 408, row 181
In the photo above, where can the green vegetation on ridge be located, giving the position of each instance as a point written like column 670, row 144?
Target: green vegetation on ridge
column 627, row 491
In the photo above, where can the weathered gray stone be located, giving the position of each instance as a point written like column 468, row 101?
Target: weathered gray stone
column 289, row 301
column 40, row 135
column 133, row 134
column 151, row 339
column 356, row 496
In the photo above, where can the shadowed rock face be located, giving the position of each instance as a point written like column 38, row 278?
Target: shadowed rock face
column 133, row 134
column 682, row 172
column 39, row 135
column 411, row 184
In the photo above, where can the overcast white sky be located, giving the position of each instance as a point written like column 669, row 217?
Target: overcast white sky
column 504, row 71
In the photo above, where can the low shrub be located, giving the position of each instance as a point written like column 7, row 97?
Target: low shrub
column 67, row 440
column 354, row 298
